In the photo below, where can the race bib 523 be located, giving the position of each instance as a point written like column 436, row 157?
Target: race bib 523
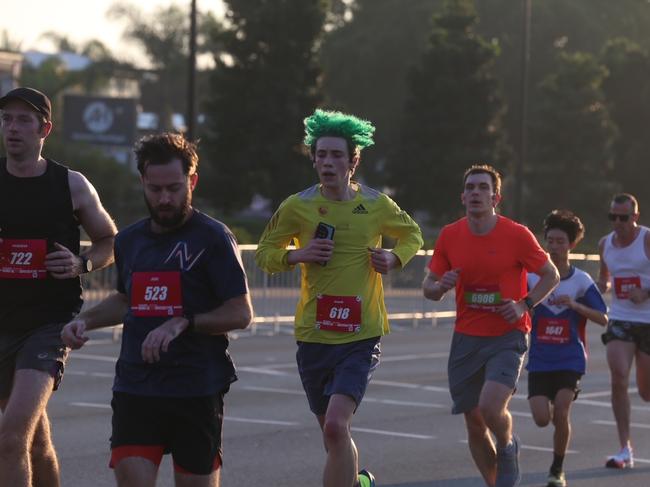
column 156, row 294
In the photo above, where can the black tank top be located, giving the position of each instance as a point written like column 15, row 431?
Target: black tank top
column 38, row 208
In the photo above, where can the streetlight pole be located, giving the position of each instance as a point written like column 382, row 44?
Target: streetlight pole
column 191, row 78
column 523, row 114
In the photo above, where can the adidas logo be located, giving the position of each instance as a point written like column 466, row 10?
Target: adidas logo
column 360, row 210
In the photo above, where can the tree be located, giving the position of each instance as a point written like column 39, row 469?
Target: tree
column 259, row 94
column 628, row 100
column 164, row 38
column 364, row 63
column 54, row 77
column 451, row 116
column 572, row 139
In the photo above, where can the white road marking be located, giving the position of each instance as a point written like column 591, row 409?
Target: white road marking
column 613, row 423
column 273, row 389
column 98, row 358
column 260, row 421
column 262, row 370
column 521, row 414
column 402, row 358
column 608, row 405
column 390, row 358
column 407, row 385
column 392, row 402
column 227, row 418
column 543, row 448
column 393, row 433
column 90, row 405
column 533, row 447
column 90, row 374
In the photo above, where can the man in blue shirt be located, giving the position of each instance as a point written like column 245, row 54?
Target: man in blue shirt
column 181, row 288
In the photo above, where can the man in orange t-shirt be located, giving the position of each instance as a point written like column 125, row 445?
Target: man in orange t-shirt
column 485, row 257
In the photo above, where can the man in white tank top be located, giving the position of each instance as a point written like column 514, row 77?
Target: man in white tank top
column 625, row 267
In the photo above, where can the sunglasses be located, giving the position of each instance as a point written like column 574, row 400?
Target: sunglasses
column 614, row 216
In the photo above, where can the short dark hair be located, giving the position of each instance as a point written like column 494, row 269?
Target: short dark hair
column 162, row 148
column 485, row 169
column 566, row 221
column 624, row 198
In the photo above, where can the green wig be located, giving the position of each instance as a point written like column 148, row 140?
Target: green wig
column 322, row 123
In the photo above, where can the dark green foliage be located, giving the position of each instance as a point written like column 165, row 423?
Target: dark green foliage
column 451, row 117
column 628, row 98
column 572, row 136
column 365, row 62
column 259, row 95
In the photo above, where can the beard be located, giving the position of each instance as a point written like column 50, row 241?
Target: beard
column 175, row 214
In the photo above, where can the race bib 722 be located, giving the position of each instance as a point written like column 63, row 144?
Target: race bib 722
column 23, row 258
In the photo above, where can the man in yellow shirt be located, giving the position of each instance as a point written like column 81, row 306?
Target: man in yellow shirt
column 337, row 226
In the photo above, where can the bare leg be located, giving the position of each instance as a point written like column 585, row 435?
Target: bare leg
column 561, row 412
column 45, row 466
column 22, row 414
column 493, row 404
column 136, row 472
column 185, row 480
column 481, row 446
column 643, row 374
column 542, row 410
column 342, row 457
column 620, row 356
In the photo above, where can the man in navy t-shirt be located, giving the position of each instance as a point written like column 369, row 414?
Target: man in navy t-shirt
column 181, row 287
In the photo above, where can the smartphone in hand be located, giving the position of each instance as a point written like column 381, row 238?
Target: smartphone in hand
column 324, row 230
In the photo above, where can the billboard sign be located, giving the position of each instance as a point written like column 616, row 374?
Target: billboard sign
column 100, row 120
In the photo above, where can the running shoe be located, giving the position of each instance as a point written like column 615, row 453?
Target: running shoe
column 508, row 474
column 556, row 480
column 366, row 479
column 624, row 459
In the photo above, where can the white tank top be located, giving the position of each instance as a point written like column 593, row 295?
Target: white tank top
column 628, row 267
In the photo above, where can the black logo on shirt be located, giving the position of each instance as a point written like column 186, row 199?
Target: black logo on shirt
column 360, row 210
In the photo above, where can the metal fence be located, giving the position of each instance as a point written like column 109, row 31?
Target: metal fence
column 274, row 296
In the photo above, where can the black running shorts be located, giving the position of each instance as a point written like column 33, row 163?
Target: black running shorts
column 549, row 383
column 190, row 428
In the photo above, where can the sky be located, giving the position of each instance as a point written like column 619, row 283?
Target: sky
column 80, row 20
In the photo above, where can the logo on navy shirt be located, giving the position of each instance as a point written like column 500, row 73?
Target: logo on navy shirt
column 185, row 260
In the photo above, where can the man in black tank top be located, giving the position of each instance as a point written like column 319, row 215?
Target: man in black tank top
column 42, row 205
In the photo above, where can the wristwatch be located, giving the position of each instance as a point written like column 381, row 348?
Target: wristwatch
column 190, row 321
column 86, row 264
column 529, row 303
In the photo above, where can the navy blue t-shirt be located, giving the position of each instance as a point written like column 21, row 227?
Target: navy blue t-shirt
column 204, row 254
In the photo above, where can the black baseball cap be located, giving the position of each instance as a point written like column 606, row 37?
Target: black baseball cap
column 37, row 100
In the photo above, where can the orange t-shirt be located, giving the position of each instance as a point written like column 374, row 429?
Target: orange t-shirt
column 492, row 268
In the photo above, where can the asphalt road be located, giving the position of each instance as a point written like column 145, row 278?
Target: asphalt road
column 404, row 430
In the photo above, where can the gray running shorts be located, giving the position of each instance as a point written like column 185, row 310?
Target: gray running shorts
column 39, row 349
column 473, row 360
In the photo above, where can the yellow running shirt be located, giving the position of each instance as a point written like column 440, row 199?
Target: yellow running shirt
column 342, row 301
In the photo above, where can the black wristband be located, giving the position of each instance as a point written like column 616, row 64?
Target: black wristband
column 529, row 303
column 190, row 322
